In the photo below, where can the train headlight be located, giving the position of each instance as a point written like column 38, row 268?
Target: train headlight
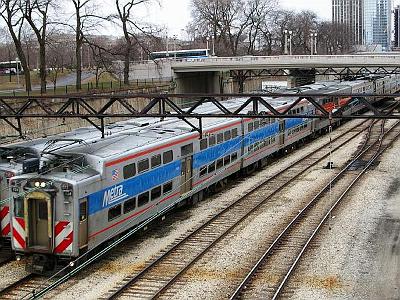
column 43, row 184
column 9, row 174
column 37, row 184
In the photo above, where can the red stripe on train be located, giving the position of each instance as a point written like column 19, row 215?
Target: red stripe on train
column 60, row 227
column 4, row 211
column 19, row 239
column 65, row 243
column 6, row 230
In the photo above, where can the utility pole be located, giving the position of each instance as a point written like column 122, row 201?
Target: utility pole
column 286, row 42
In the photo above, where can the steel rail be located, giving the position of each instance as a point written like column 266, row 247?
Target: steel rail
column 131, row 281
column 327, row 215
column 295, row 220
column 85, row 264
column 15, row 284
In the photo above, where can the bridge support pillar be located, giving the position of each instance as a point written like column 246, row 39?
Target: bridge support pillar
column 300, row 77
column 197, row 82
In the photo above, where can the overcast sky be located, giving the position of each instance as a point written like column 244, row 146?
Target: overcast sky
column 175, row 14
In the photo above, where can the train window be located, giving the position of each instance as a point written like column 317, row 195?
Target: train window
column 211, row 167
column 263, row 122
column 42, row 211
column 129, row 171
column 114, row 212
column 256, row 146
column 143, row 199
column 251, row 127
column 227, row 135
column 220, row 163
column 211, row 141
column 129, row 205
column 234, row 156
column 143, row 165
column 187, row 150
column 82, row 211
column 234, row 133
column 167, row 187
column 203, row 144
column 155, row 193
column 168, row 157
column 220, row 138
column 251, row 148
column 19, row 207
column 227, row 160
column 203, row 171
column 156, row 161
column 256, row 125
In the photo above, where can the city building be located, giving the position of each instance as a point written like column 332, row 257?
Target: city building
column 350, row 14
column 368, row 21
column 397, row 27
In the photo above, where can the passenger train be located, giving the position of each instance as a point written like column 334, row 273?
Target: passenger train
column 88, row 193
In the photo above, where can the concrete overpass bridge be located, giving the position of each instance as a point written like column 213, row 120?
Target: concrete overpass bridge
column 212, row 74
column 217, row 64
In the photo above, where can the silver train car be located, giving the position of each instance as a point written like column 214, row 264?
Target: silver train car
column 25, row 157
column 92, row 192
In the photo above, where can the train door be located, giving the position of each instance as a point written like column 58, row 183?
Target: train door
column 186, row 168
column 39, row 220
column 83, row 223
column 281, row 132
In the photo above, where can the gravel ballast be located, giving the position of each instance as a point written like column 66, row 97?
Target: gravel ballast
column 215, row 270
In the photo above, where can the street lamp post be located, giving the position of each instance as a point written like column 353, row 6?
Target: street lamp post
column 315, row 44
column 290, row 42
column 167, row 42
column 175, row 37
column 208, row 40
column 285, row 51
column 17, row 68
column 213, row 45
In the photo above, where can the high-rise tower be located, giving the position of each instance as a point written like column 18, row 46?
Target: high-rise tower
column 350, row 14
column 368, row 21
column 397, row 27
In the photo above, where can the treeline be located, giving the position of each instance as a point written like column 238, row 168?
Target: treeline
column 257, row 27
column 54, row 34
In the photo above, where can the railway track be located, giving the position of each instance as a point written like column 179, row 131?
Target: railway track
column 6, row 254
column 279, row 261
column 23, row 288
column 162, row 272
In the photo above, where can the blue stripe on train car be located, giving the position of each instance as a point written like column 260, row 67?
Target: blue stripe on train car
column 213, row 153
column 133, row 187
column 290, row 123
column 261, row 134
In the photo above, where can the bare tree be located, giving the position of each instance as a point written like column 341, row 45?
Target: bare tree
column 36, row 13
column 55, row 59
column 87, row 21
column 232, row 23
column 11, row 13
column 259, row 12
column 332, row 40
column 130, row 28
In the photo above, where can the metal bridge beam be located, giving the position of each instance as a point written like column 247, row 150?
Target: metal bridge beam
column 163, row 106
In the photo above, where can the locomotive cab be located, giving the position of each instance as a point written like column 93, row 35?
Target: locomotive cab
column 13, row 161
column 33, row 222
column 49, row 217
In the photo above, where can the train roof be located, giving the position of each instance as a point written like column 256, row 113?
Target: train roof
column 141, row 138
